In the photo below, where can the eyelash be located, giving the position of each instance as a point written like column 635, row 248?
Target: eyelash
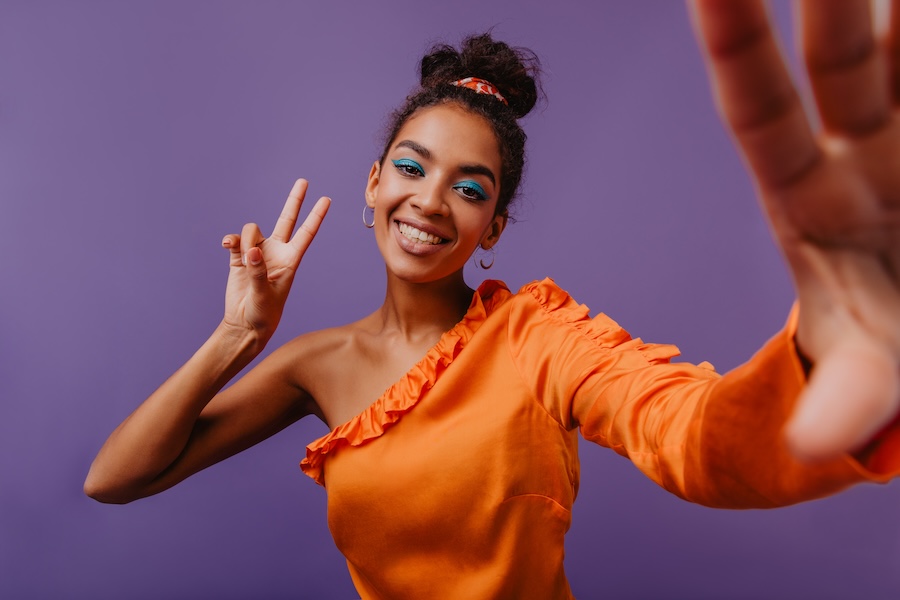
column 468, row 189
column 408, row 167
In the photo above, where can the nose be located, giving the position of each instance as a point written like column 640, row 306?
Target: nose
column 430, row 201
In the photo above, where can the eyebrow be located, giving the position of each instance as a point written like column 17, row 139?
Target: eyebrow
column 474, row 169
column 478, row 170
column 417, row 148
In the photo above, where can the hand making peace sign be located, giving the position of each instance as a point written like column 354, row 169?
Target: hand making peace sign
column 262, row 269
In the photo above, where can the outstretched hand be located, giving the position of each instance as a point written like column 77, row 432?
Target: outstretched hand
column 262, row 269
column 831, row 192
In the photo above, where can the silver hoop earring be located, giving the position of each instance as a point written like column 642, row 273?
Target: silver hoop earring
column 487, row 266
column 366, row 208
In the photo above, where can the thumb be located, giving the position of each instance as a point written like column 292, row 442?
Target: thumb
column 853, row 392
column 256, row 268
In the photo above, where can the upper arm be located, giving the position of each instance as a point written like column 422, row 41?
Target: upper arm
column 579, row 359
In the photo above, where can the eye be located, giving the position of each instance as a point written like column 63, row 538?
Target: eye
column 409, row 167
column 471, row 190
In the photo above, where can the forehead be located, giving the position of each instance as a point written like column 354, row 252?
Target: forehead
column 453, row 134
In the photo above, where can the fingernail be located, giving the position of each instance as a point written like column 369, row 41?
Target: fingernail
column 256, row 258
column 244, row 259
column 225, row 242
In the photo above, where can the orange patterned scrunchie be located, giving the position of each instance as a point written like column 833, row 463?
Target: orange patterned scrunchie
column 480, row 86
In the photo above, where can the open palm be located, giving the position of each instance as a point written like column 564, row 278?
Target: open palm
column 832, row 194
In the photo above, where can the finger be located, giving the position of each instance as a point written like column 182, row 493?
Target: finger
column 304, row 236
column 232, row 243
column 251, row 237
column 256, row 268
column 754, row 92
column 853, row 393
column 284, row 227
column 845, row 65
column 252, row 256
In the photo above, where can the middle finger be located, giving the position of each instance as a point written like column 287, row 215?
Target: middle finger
column 284, row 227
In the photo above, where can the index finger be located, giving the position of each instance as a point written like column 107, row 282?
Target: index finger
column 288, row 218
column 754, row 90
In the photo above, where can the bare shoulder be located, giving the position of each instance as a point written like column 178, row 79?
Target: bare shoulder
column 341, row 371
column 319, row 362
column 317, row 349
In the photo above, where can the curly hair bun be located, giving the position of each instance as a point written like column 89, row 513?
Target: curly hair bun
column 513, row 71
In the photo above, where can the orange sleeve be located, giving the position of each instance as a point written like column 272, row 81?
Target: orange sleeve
column 712, row 439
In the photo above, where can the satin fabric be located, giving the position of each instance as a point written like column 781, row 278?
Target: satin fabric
column 458, row 482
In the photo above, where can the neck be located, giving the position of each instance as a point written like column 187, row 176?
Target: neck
column 421, row 309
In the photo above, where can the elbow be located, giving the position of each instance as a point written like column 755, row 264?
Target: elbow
column 104, row 495
column 96, row 489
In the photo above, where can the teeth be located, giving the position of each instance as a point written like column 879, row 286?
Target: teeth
column 419, row 236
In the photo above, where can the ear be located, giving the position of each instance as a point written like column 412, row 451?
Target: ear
column 372, row 184
column 494, row 229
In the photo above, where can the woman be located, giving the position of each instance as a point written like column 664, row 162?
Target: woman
column 457, row 481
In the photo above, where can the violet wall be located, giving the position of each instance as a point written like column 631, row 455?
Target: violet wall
column 133, row 135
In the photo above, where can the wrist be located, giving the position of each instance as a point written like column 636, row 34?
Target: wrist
column 242, row 341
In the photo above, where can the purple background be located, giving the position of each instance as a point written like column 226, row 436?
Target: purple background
column 134, row 135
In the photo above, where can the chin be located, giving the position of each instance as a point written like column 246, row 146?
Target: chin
column 412, row 274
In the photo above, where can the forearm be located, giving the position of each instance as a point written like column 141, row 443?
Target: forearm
column 152, row 438
column 717, row 441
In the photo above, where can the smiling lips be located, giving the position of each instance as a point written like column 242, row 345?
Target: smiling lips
column 418, row 236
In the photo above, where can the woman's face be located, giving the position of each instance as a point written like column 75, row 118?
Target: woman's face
column 435, row 195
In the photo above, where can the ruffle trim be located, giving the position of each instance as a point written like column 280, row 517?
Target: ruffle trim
column 404, row 394
column 601, row 330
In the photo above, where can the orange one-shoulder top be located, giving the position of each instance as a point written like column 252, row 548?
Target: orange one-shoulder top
column 458, row 482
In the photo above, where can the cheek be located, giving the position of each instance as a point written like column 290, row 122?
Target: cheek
column 391, row 192
column 476, row 224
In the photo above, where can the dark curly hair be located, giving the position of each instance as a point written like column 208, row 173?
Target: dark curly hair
column 513, row 71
